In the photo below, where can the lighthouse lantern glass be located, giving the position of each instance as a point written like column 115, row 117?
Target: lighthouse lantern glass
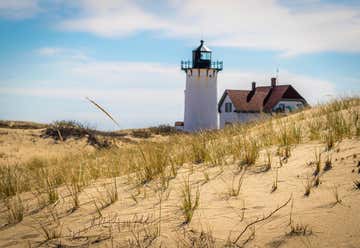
column 205, row 56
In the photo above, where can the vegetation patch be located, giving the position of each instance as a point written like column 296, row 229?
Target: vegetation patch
column 63, row 130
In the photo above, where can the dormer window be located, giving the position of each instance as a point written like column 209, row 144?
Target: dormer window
column 228, row 107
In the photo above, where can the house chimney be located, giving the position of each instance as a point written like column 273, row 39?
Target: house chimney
column 273, row 82
column 253, row 85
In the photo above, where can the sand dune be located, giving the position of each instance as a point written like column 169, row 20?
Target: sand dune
column 231, row 195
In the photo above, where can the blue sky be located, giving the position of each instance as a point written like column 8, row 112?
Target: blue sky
column 125, row 54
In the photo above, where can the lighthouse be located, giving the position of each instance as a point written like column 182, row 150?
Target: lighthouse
column 201, row 90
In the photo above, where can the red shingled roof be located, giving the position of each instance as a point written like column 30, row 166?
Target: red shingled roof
column 263, row 98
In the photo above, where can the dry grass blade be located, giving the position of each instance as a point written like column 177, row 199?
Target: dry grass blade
column 103, row 110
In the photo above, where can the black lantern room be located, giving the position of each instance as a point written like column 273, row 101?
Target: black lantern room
column 201, row 58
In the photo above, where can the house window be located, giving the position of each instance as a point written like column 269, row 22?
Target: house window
column 282, row 107
column 228, row 107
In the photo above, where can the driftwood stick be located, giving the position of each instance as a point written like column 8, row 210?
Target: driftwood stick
column 262, row 219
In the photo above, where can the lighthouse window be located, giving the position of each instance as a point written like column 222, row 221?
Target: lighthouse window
column 228, row 107
column 205, row 56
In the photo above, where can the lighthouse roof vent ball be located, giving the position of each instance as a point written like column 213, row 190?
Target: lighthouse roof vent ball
column 202, row 47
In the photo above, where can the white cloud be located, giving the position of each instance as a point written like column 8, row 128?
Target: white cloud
column 61, row 52
column 18, row 9
column 259, row 24
column 296, row 28
column 112, row 18
column 123, row 74
column 50, row 51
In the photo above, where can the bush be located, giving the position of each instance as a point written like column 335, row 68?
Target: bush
column 63, row 130
column 163, row 130
column 141, row 133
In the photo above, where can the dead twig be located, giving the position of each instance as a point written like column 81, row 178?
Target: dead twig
column 260, row 220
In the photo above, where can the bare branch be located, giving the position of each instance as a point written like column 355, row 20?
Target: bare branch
column 262, row 219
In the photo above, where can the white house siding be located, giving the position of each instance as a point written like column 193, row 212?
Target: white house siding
column 290, row 105
column 233, row 117
column 201, row 100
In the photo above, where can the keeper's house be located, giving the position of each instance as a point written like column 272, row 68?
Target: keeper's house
column 246, row 105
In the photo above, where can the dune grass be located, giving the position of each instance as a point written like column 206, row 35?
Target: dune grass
column 147, row 160
column 15, row 209
column 189, row 202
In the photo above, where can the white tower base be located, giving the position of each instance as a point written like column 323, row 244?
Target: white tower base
column 201, row 100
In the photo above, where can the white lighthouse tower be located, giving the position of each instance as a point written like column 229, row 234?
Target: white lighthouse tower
column 201, row 90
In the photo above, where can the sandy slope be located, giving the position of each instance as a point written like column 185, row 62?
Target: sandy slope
column 219, row 214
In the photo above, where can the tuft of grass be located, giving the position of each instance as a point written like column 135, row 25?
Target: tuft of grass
column 296, row 134
column 189, row 204
column 50, row 187
column 13, row 180
column 134, row 198
column 316, row 181
column 317, row 163
column 50, row 232
column 110, row 196
column 206, row 177
column 112, row 192
column 250, row 151
column 216, row 152
column 329, row 138
column 328, row 164
column 235, row 189
column 195, row 239
column 275, row 183
column 357, row 184
column 15, row 209
column 314, row 126
column 143, row 235
column 150, row 161
column 74, row 187
column 307, row 187
column 356, row 121
column 267, row 163
column 336, row 195
column 199, row 151
column 299, row 230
